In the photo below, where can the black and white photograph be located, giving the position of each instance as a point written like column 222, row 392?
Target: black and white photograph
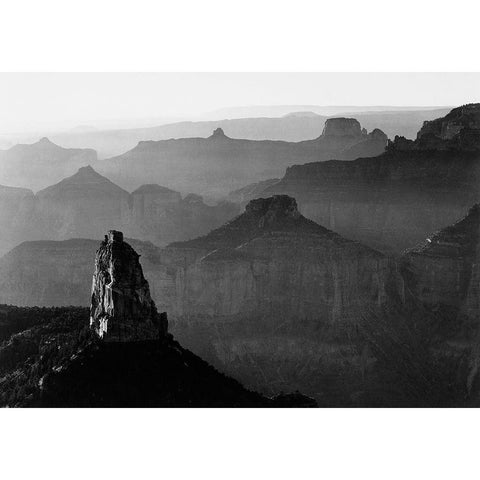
column 250, row 256
column 239, row 241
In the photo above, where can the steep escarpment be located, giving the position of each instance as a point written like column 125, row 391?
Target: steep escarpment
column 40, row 164
column 57, row 273
column 273, row 261
column 85, row 204
column 444, row 269
column 219, row 164
column 270, row 260
column 459, row 129
column 292, row 127
column 392, row 201
column 124, row 358
column 122, row 309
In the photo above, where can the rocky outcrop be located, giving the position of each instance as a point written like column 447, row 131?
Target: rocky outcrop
column 458, row 130
column 40, row 164
column 50, row 273
column 273, row 262
column 393, row 201
column 122, row 309
column 340, row 127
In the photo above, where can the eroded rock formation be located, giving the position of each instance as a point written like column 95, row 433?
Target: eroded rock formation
column 395, row 200
column 271, row 261
column 458, row 130
column 82, row 205
column 217, row 164
column 122, row 308
column 339, row 127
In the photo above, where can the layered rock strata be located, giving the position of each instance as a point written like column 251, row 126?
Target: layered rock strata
column 122, row 309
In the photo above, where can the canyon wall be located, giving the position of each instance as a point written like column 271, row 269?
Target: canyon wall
column 85, row 204
column 271, row 261
column 444, row 269
column 390, row 202
column 215, row 165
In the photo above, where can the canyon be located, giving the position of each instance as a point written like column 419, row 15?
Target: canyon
column 125, row 357
column 215, row 165
column 394, row 200
column 288, row 125
column 81, row 205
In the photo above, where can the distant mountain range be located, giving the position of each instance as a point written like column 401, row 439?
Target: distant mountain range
column 84, row 204
column 40, row 164
column 392, row 201
column 215, row 165
column 290, row 123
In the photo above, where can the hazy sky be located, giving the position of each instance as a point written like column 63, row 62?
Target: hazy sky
column 55, row 100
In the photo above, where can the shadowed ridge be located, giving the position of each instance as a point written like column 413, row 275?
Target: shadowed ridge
column 263, row 215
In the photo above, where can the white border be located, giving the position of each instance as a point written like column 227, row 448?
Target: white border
column 217, row 35
column 251, row 35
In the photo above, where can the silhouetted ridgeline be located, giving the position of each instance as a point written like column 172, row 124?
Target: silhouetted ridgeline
column 218, row 164
column 293, row 127
column 393, row 201
column 82, row 205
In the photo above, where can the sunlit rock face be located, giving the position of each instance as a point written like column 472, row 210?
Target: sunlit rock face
column 272, row 262
column 122, row 308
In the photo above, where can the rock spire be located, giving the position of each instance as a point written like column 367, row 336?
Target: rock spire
column 122, row 309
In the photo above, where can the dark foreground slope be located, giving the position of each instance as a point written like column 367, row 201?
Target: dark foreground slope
column 142, row 374
column 57, row 362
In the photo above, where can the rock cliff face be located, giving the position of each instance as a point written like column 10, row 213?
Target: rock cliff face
column 269, row 261
column 273, row 262
column 41, row 164
column 85, row 204
column 461, row 124
column 445, row 268
column 459, row 130
column 340, row 127
column 392, row 201
column 57, row 273
column 122, row 309
column 218, row 164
